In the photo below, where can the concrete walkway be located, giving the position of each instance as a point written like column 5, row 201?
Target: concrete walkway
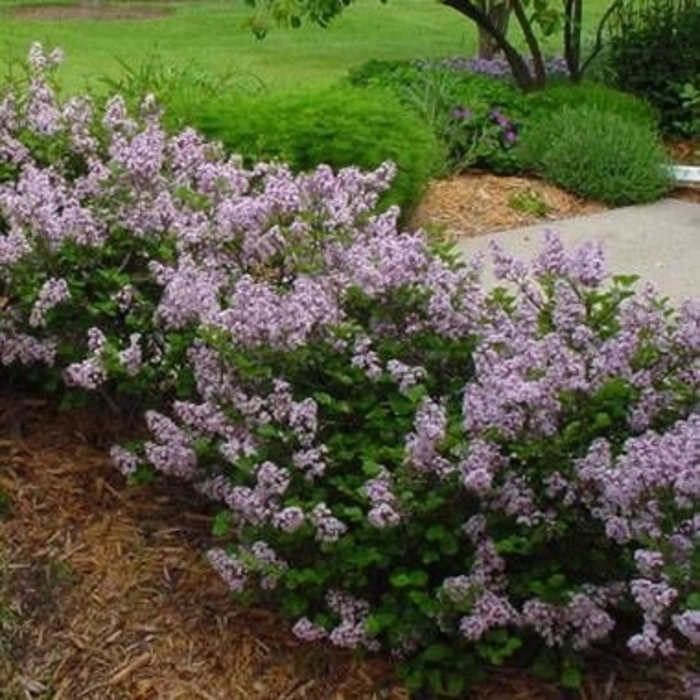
column 660, row 242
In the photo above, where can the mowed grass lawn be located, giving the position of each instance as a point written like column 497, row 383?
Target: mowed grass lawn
column 216, row 38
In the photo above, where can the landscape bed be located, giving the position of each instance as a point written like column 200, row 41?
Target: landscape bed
column 332, row 284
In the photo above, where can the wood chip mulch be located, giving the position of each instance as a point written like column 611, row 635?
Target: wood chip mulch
column 105, row 594
column 476, row 203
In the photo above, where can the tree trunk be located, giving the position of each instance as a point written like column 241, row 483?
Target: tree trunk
column 499, row 13
column 572, row 38
column 521, row 72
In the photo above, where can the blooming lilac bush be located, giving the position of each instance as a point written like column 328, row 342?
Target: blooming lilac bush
column 99, row 210
column 404, row 461
column 410, row 464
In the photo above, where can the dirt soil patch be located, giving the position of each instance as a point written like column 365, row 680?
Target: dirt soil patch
column 94, row 11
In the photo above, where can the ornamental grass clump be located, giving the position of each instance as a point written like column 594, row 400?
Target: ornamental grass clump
column 404, row 462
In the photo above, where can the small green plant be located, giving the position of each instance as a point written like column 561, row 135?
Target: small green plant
column 58, row 573
column 528, row 201
column 483, row 138
column 689, row 123
column 476, row 117
column 597, row 154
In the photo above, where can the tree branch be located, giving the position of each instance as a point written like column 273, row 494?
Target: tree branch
column 520, row 69
column 531, row 41
column 599, row 34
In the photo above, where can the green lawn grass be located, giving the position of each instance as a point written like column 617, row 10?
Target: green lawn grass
column 216, row 38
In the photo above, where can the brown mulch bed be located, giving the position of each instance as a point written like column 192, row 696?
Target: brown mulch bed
column 476, row 203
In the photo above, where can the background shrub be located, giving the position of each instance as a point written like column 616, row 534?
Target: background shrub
column 653, row 50
column 632, row 108
column 597, row 154
column 339, row 126
column 179, row 89
column 475, row 116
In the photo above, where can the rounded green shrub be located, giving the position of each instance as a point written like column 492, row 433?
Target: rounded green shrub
column 602, row 97
column 339, row 126
column 597, row 154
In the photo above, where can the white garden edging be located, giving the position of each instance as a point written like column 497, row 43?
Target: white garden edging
column 686, row 173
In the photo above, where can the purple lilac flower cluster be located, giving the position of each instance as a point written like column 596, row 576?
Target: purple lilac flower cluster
column 226, row 223
column 525, row 372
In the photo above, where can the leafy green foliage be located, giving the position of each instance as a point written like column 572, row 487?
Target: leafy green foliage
column 653, row 51
column 688, row 123
column 528, row 201
column 474, row 116
column 597, row 154
column 338, row 126
column 632, row 108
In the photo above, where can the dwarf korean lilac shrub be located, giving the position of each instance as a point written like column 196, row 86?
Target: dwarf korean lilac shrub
column 102, row 213
column 408, row 463
column 404, row 462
